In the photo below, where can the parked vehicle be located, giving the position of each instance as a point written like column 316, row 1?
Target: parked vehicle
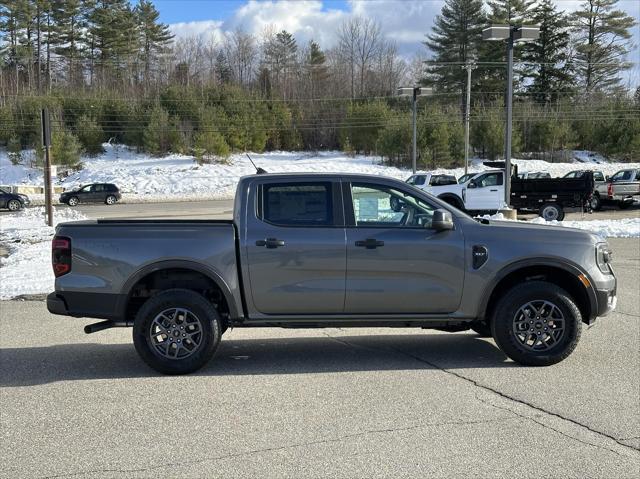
column 94, row 193
column 466, row 177
column 600, row 189
column 624, row 187
column 13, row 201
column 327, row 250
column 550, row 197
column 425, row 180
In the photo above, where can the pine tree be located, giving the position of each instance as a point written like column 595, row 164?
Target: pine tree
column 70, row 18
column 546, row 57
column 113, row 37
column 317, row 70
column 222, row 68
column 154, row 36
column 603, row 43
column 456, row 37
column 504, row 12
column 280, row 57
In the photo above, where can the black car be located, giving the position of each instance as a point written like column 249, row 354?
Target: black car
column 13, row 201
column 94, row 193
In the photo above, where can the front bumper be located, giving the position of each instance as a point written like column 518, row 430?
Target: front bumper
column 607, row 301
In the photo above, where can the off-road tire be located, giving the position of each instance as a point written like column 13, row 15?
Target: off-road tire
column 502, row 323
column 188, row 300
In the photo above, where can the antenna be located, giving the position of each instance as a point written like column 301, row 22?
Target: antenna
column 259, row 171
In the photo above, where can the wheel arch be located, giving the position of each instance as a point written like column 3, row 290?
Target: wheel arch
column 184, row 267
column 561, row 273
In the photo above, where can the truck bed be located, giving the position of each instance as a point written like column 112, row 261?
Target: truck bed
column 108, row 255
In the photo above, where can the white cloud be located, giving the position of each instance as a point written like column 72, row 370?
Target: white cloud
column 404, row 21
column 205, row 28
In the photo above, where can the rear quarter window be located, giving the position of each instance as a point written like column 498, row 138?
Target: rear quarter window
column 297, row 204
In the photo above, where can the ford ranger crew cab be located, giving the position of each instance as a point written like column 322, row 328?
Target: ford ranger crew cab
column 331, row 250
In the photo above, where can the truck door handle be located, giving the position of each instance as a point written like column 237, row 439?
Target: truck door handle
column 270, row 243
column 493, row 190
column 370, row 243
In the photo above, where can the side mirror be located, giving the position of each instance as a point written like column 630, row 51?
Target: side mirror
column 442, row 220
column 472, row 184
column 608, row 178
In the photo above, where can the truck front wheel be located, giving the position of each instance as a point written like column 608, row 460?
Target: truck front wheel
column 537, row 324
column 177, row 331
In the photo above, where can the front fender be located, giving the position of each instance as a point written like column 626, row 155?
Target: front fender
column 563, row 264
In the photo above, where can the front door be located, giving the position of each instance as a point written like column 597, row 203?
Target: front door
column 486, row 192
column 296, row 248
column 397, row 264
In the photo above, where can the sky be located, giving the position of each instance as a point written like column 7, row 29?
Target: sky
column 405, row 21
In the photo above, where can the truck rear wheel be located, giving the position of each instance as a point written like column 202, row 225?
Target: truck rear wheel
column 551, row 212
column 177, row 331
column 537, row 324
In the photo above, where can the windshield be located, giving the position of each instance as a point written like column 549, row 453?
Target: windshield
column 465, row 178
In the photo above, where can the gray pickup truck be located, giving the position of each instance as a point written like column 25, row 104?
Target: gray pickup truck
column 331, row 250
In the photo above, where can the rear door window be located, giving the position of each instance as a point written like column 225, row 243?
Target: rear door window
column 297, row 204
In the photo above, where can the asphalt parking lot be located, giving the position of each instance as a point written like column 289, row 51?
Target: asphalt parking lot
column 311, row 403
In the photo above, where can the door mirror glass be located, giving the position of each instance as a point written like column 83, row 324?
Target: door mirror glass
column 442, row 220
column 472, row 184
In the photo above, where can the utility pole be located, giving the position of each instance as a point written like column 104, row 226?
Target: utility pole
column 469, row 66
column 46, row 142
column 414, row 164
column 507, row 140
column 414, row 92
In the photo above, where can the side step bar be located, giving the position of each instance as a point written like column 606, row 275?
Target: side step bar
column 95, row 327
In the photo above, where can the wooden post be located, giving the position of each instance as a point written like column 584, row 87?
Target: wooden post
column 46, row 143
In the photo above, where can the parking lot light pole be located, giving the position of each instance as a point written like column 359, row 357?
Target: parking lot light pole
column 414, row 93
column 469, row 66
column 511, row 34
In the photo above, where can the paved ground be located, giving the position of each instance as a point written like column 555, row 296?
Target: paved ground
column 224, row 209
column 341, row 403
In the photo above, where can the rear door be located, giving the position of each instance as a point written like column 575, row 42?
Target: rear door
column 296, row 248
column 397, row 264
column 97, row 194
column 485, row 192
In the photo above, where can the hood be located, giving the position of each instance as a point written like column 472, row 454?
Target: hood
column 525, row 230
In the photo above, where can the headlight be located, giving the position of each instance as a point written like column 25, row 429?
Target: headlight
column 603, row 257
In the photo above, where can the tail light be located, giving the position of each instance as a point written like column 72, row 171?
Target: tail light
column 61, row 255
column 610, row 190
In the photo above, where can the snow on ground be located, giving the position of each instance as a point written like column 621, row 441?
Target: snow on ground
column 27, row 269
column 622, row 228
column 143, row 178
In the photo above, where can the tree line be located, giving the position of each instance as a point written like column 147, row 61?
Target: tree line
column 111, row 71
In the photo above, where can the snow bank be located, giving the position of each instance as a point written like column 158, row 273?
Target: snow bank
column 143, row 178
column 622, row 228
column 27, row 269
